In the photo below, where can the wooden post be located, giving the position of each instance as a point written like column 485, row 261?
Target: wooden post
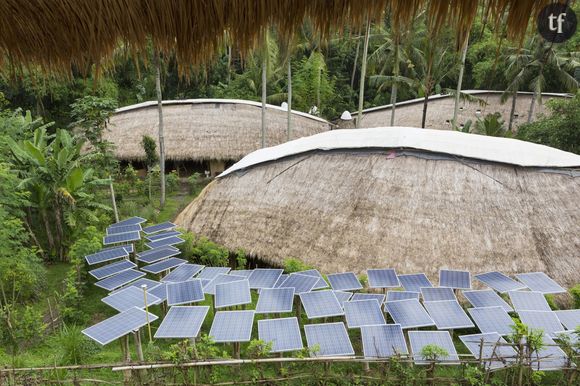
column 114, row 201
column 138, row 346
column 289, row 98
column 126, row 358
column 144, row 287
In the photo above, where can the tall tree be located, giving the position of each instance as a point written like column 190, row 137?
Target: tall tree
column 460, row 80
column 157, row 58
column 361, row 93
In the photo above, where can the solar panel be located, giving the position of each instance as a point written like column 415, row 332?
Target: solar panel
column 112, row 269
column 528, row 300
column 569, row 318
column 433, row 294
column 107, row 254
column 184, row 292
column 183, row 273
column 486, row 298
column 499, row 282
column 363, row 313
column 120, row 279
column 283, row 333
column 162, row 235
column 492, row 319
column 409, row 313
column 346, row 281
column 442, row 339
column 454, row 279
column 182, row 322
column 173, row 240
column 549, row 357
column 138, row 283
column 232, row 326
column 331, row 339
column 121, row 238
column 129, row 221
column 492, row 347
column 393, row 296
column 275, row 300
column 264, row 277
column 281, row 280
column 163, row 265
column 232, row 294
column 119, row 325
column 383, row 341
column 210, row 273
column 160, row 291
column 123, row 229
column 320, row 304
column 546, row 321
column 342, row 297
column 361, row 296
column 300, row 283
column 157, row 254
column 164, row 226
column 241, row 272
column 128, row 298
column 448, row 314
column 209, row 288
column 314, row 272
column 540, row 282
column 383, row 278
column 413, row 282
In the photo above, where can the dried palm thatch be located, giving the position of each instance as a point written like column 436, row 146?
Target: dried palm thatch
column 205, row 129
column 413, row 210
column 76, row 34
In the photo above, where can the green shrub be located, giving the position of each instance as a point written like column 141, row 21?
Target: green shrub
column 292, row 264
column 575, row 292
column 194, row 182
column 75, row 348
column 172, row 181
column 241, row 259
column 432, row 352
column 20, row 327
column 210, row 253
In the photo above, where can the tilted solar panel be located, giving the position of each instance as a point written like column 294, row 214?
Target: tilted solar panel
column 112, row 282
column 546, row 321
column 209, row 288
column 363, row 313
column 486, row 298
column 281, row 280
column 121, row 238
column 362, row 296
column 138, row 284
column 128, row 298
column 154, row 255
column 232, row 294
column 264, row 277
column 160, row 291
column 163, row 265
column 112, row 269
column 499, row 282
column 420, row 339
column 300, row 283
column 173, row 240
column 549, row 357
column 123, row 229
column 118, row 325
column 383, row 341
column 184, row 292
column 129, row 221
column 346, row 281
column 330, row 338
column 314, row 272
column 454, row 279
column 540, row 282
column 569, row 318
column 275, row 300
column 182, row 322
column 232, row 326
column 492, row 319
column 342, row 297
column 162, row 235
column 210, row 273
column 241, row 272
column 383, row 278
column 529, row 300
column 107, row 254
column 283, row 333
column 409, row 313
column 413, row 282
column 164, row 226
column 490, row 346
column 183, row 273
column 433, row 294
column 448, row 314
column 319, row 304
column 393, row 296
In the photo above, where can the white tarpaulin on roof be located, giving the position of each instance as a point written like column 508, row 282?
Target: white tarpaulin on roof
column 504, row 150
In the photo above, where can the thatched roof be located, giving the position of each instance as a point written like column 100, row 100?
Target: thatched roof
column 344, row 208
column 205, row 129
column 66, row 34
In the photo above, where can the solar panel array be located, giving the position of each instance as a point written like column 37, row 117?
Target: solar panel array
column 118, row 325
column 330, row 338
column 448, row 314
column 159, row 290
column 314, row 272
column 275, row 300
column 321, row 304
column 431, row 294
column 420, row 339
column 492, row 319
column 128, row 298
column 529, row 300
column 210, row 273
column 138, row 283
column 209, row 288
column 486, row 298
column 383, row 341
column 107, row 254
column 540, row 282
column 182, row 322
column 383, row 278
column 112, row 282
column 112, row 269
column 183, row 272
column 346, row 281
column 414, row 282
column 409, row 313
column 454, row 279
column 343, row 296
column 300, row 283
column 232, row 294
column 232, row 326
column 499, row 282
column 284, row 334
column 184, row 292
column 363, row 313
column 264, row 277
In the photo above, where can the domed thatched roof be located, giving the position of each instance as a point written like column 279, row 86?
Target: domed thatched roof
column 411, row 199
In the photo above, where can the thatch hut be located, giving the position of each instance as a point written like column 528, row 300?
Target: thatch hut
column 413, row 199
column 205, row 134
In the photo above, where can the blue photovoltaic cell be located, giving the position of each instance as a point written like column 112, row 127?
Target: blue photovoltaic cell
column 183, row 273
column 162, row 235
column 182, row 322
column 409, row 313
column 264, row 277
column 362, row 296
column 232, row 294
column 173, row 240
column 549, row 357
column 119, row 325
column 528, row 300
column 164, row 226
column 494, row 349
column 128, row 247
column 209, row 288
column 184, row 292
column 540, row 282
column 128, row 298
column 129, row 221
column 363, row 313
column 393, row 296
column 157, row 254
column 342, row 297
column 120, row 279
column 486, row 298
column 499, row 282
column 492, row 319
column 346, row 281
column 210, row 273
column 448, row 314
column 283, row 333
column 383, row 278
column 232, row 326
column 569, row 318
column 139, row 282
column 163, row 265
column 454, row 279
column 413, row 282
column 331, row 339
column 300, row 283
column 275, row 300
column 314, row 272
column 442, row 339
column 107, row 254
column 433, row 294
column 383, row 341
column 121, row 238
column 159, row 290
column 320, row 304
column 123, row 229
column 546, row 321
column 241, row 272
column 112, row 269
column 281, row 280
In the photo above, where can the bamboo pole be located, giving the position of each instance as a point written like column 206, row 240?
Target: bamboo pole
column 361, row 93
column 161, row 137
column 144, row 287
column 460, row 81
column 289, row 100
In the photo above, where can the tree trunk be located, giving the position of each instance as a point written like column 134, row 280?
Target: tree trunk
column 512, row 110
column 361, row 92
column 59, row 231
column 264, row 91
column 355, row 61
column 48, row 230
column 460, row 81
column 425, row 102
column 394, row 85
column 113, row 200
column 161, row 140
column 532, row 106
column 289, row 100
column 229, row 76
column 33, row 235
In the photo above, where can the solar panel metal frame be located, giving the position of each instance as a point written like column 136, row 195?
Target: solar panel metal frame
column 105, row 255
column 173, row 240
column 413, row 282
column 112, row 269
column 123, row 229
column 314, row 272
column 300, row 283
column 129, row 221
column 324, row 335
column 283, row 332
column 344, row 281
column 128, row 298
column 211, row 272
column 495, row 352
column 486, row 298
column 342, row 297
column 366, row 296
column 545, row 320
column 529, row 300
column 275, row 300
column 162, row 235
column 492, row 279
column 540, row 282
column 226, row 322
column 383, row 278
column 393, row 296
column 568, row 318
column 113, row 282
column 154, row 255
column 420, row 339
column 184, row 292
column 183, row 272
column 234, row 293
column 360, row 313
column 163, row 265
column 321, row 304
column 209, row 288
column 121, row 324
column 151, row 229
column 383, row 341
column 434, row 294
column 400, row 308
column 455, row 279
column 182, row 322
column 121, row 238
column 448, row 315
column 491, row 319
column 264, row 277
